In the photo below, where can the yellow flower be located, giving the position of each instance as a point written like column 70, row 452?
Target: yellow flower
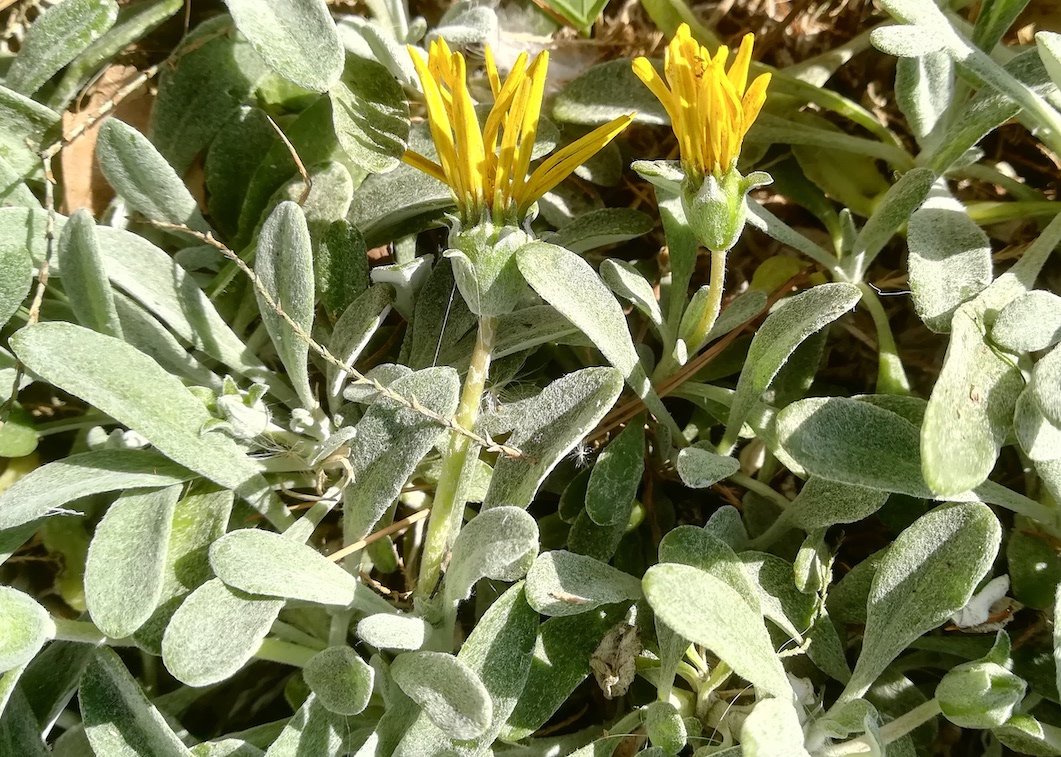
column 710, row 110
column 487, row 168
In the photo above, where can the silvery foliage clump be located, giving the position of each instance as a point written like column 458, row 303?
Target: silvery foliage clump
column 188, row 438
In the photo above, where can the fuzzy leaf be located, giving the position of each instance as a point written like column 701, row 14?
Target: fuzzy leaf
column 390, row 631
column 1029, row 323
column 500, row 543
column 284, row 265
column 58, row 36
column 86, row 283
column 775, row 341
column 616, row 476
column 687, row 599
column 132, row 388
column 449, row 692
column 297, row 38
column 23, row 124
column 602, row 227
column 265, row 563
column 119, row 718
column 124, row 572
column 370, row 116
column 24, row 628
column 700, row 468
column 563, row 583
column 552, row 424
column 341, row 680
column 215, row 632
column 929, row 573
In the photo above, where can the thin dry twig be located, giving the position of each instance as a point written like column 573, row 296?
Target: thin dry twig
column 392, row 528
column 294, row 156
column 359, row 378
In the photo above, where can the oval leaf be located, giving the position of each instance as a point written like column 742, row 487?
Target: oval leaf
column 616, row 476
column 265, row 563
column 85, row 282
column 563, row 583
column 24, row 627
column 341, row 680
column 449, row 692
column 126, row 560
column 297, row 38
column 500, row 543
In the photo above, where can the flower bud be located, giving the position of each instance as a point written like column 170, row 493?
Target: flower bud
column 665, row 727
column 979, row 694
column 716, row 208
column 484, row 265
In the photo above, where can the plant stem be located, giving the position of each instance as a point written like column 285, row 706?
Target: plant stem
column 891, row 376
column 889, row 732
column 285, row 652
column 448, row 505
column 698, row 336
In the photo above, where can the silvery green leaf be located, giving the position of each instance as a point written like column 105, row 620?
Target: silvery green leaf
column 296, row 38
column 761, row 218
column 24, row 628
column 687, row 599
column 199, row 518
column 689, row 545
column 905, row 41
column 216, row 73
column 950, row 259
column 1046, row 378
column 404, row 200
column 24, row 123
column 310, row 731
column 86, row 283
column 742, row 309
column 700, row 468
column 500, row 543
column 904, row 197
column 465, row 24
column 341, row 265
column 822, row 503
column 46, row 489
column 268, row 564
column 994, row 20
column 563, row 583
column 570, row 285
column 498, row 651
column 550, row 427
column 600, row 228
column 226, row 748
column 58, row 36
column 970, row 412
column 143, row 178
column 924, row 89
column 775, row 341
column 1039, row 438
column 665, row 727
column 853, row 442
column 928, row 573
column 133, row 24
column 131, row 388
column 13, row 190
column 16, row 276
column 363, row 37
column 772, row 729
column 352, row 331
column 119, row 719
column 407, row 278
column 606, row 91
column 616, row 476
column 1049, row 46
column 341, row 680
column 791, row 610
column 1029, row 323
column 441, row 319
column 1027, row 735
column 449, row 692
column 215, row 632
column 391, row 631
column 988, row 110
column 561, row 661
column 391, row 441
column 370, row 116
column 150, row 277
column 19, row 731
column 628, row 283
column 124, row 571
column 284, row 266
column 51, row 680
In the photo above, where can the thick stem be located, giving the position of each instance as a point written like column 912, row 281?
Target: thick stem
column 891, row 376
column 697, row 337
column 448, row 505
column 889, row 732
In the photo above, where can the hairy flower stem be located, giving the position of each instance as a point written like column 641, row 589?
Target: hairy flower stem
column 891, row 376
column 448, row 505
column 698, row 336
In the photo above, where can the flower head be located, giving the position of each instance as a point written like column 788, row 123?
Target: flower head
column 487, row 168
column 710, row 109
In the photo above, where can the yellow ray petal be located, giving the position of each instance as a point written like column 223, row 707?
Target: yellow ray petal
column 468, row 137
column 428, row 166
column 491, row 72
column 438, row 121
column 531, row 113
column 738, row 72
column 560, row 164
column 754, row 99
column 647, row 73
